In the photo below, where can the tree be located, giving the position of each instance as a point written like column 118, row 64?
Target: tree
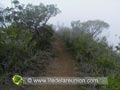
column 2, row 18
column 93, row 27
column 29, row 16
column 35, row 16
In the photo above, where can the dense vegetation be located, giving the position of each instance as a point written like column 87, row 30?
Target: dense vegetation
column 25, row 38
column 93, row 54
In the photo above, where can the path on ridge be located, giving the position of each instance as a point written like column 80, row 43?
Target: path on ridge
column 62, row 66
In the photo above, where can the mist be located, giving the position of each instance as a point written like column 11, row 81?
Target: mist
column 83, row 10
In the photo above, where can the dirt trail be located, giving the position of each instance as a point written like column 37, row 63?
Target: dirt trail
column 62, row 66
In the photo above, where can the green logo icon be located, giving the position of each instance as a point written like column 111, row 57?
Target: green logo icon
column 17, row 79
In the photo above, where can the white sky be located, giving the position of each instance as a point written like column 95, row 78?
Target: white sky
column 106, row 10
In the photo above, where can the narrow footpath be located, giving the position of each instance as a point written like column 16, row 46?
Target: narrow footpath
column 62, row 66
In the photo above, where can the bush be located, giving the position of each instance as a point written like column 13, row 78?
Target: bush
column 93, row 54
column 18, row 48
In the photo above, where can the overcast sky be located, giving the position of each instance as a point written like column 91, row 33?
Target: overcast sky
column 83, row 10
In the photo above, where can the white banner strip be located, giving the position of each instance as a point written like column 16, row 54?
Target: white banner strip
column 65, row 80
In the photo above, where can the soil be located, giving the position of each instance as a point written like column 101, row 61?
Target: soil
column 62, row 66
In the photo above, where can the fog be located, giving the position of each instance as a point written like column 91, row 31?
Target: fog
column 83, row 10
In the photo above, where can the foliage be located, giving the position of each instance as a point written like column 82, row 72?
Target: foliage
column 17, row 46
column 13, row 48
column 29, row 16
column 113, row 83
column 25, row 37
column 93, row 28
column 43, row 37
column 93, row 55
